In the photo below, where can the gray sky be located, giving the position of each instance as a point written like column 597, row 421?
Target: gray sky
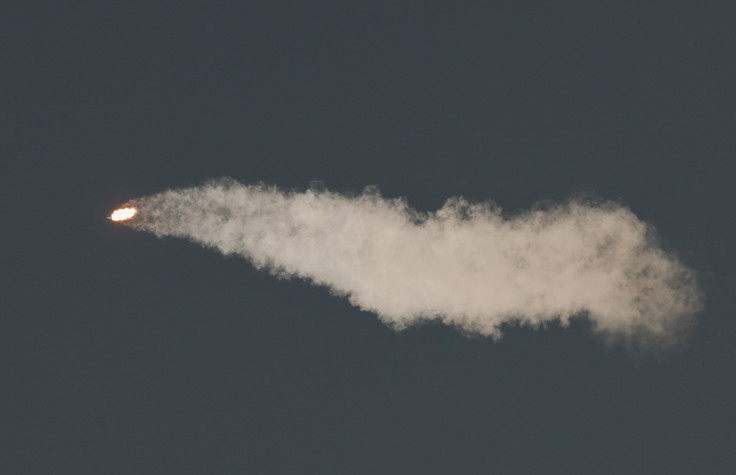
column 123, row 353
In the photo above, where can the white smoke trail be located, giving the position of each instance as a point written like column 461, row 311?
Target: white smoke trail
column 465, row 264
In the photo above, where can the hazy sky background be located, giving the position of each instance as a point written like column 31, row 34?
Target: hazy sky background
column 122, row 353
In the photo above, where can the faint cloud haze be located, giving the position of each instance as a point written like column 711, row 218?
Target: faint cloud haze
column 466, row 264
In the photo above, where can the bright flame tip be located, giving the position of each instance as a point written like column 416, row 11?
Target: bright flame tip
column 122, row 214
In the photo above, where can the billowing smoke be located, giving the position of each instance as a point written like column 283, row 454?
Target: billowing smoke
column 466, row 264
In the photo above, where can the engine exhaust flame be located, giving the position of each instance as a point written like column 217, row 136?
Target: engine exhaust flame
column 122, row 214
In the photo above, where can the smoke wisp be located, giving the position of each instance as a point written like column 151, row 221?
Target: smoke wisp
column 466, row 264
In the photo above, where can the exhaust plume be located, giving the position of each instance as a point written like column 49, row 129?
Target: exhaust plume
column 465, row 264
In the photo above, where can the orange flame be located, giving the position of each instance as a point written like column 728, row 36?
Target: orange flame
column 122, row 214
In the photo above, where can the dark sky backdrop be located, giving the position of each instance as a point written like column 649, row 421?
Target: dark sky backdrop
column 126, row 354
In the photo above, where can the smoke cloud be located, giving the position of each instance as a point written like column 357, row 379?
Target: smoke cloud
column 466, row 264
